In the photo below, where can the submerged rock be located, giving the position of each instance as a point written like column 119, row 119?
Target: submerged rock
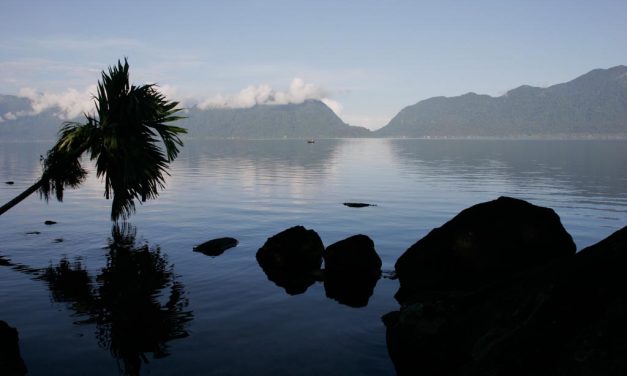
column 292, row 259
column 352, row 269
column 11, row 362
column 482, row 244
column 357, row 204
column 216, row 247
column 561, row 315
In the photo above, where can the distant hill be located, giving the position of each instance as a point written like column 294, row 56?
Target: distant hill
column 310, row 119
column 592, row 104
column 18, row 123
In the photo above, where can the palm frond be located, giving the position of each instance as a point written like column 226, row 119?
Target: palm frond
column 62, row 166
column 133, row 123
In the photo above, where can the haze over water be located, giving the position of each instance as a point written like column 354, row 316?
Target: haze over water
column 236, row 321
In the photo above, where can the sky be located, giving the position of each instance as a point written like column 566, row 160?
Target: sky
column 366, row 59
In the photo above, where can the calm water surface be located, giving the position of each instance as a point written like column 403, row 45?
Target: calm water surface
column 72, row 289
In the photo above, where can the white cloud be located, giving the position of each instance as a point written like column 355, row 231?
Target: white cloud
column 264, row 94
column 69, row 104
column 335, row 106
column 10, row 116
column 168, row 91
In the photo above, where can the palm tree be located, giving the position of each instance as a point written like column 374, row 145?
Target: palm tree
column 125, row 138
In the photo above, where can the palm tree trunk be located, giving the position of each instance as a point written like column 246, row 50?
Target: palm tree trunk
column 21, row 196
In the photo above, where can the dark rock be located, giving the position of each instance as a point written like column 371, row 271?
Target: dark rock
column 5, row 262
column 353, row 255
column 352, row 269
column 357, row 204
column 10, row 182
column 483, row 244
column 50, row 223
column 292, row 259
column 216, row 247
column 11, row 362
column 566, row 317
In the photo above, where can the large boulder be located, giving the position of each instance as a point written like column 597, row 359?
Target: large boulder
column 483, row 244
column 11, row 362
column 352, row 269
column 561, row 318
column 292, row 259
column 353, row 255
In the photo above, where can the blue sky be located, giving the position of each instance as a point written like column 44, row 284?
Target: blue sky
column 369, row 59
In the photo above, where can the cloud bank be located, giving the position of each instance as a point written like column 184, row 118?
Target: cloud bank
column 264, row 94
column 72, row 103
column 68, row 104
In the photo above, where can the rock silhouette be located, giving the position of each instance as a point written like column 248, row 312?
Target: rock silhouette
column 482, row 244
column 11, row 362
column 560, row 315
column 352, row 269
column 357, row 204
column 353, row 255
column 216, row 247
column 292, row 259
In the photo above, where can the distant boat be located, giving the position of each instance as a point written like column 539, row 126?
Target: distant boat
column 311, row 141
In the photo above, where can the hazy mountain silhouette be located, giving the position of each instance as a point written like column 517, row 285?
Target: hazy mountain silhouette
column 592, row 104
column 19, row 122
column 308, row 120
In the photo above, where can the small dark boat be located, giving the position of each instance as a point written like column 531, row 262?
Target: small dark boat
column 311, row 141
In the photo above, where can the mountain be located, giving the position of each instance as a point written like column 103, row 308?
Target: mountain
column 594, row 104
column 308, row 120
column 19, row 122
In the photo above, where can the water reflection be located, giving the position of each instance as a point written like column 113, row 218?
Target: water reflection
column 349, row 289
column 582, row 167
column 135, row 301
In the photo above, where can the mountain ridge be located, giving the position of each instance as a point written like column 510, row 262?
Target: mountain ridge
column 592, row 104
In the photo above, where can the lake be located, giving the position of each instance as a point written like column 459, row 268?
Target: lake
column 89, row 299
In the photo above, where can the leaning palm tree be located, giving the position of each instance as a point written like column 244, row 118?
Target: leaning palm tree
column 126, row 138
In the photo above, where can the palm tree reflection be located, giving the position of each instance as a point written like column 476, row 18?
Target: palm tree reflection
column 138, row 306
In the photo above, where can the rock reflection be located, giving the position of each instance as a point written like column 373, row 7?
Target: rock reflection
column 351, row 290
column 125, row 300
